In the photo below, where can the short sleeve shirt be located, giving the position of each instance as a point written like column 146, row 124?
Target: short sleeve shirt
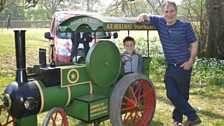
column 175, row 39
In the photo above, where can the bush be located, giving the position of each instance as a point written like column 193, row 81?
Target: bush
column 155, row 48
column 157, row 68
column 205, row 71
column 157, row 65
column 208, row 71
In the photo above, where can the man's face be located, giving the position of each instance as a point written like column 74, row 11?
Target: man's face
column 129, row 46
column 170, row 14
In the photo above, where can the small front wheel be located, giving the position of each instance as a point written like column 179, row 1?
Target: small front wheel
column 9, row 121
column 56, row 117
column 132, row 102
column 5, row 118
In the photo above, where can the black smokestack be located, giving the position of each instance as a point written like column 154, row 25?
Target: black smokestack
column 42, row 57
column 21, row 76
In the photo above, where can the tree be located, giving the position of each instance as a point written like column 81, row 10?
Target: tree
column 215, row 10
column 84, row 5
column 195, row 12
column 44, row 9
column 91, row 5
column 2, row 3
column 14, row 9
column 50, row 6
column 27, row 3
column 155, row 6
column 126, row 8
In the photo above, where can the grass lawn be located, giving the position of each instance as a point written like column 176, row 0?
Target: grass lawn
column 208, row 100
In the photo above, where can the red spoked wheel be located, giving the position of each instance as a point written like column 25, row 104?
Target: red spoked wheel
column 9, row 120
column 132, row 101
column 56, row 117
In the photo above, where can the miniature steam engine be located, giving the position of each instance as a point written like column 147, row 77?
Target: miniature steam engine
column 91, row 92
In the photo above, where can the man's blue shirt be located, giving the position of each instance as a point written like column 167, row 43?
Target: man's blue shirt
column 175, row 39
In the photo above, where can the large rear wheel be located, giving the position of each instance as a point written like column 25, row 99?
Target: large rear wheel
column 132, row 102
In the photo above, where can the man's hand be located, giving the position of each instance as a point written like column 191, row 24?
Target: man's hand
column 143, row 17
column 188, row 64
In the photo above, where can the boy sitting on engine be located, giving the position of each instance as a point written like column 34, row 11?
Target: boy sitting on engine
column 133, row 62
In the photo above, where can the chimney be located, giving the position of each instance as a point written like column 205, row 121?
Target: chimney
column 21, row 76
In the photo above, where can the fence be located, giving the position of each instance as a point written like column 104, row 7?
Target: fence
column 25, row 24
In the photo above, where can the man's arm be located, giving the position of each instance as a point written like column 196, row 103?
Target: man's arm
column 194, row 49
column 143, row 17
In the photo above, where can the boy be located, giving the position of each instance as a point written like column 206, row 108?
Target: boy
column 133, row 62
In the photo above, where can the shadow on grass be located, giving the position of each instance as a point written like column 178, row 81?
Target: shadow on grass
column 165, row 100
column 207, row 95
column 208, row 92
column 210, row 114
column 153, row 123
column 156, row 123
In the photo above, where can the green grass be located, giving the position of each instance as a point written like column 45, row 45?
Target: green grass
column 206, row 99
column 34, row 41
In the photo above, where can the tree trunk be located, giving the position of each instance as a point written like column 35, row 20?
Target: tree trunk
column 215, row 47
column 87, row 3
column 2, row 3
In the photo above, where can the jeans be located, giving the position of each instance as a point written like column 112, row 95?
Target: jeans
column 177, row 82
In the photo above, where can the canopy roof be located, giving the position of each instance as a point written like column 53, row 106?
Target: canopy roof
column 102, row 23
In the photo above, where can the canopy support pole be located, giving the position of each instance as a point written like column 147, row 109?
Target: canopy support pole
column 148, row 42
column 95, row 37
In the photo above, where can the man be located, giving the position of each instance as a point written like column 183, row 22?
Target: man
column 180, row 48
column 8, row 21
